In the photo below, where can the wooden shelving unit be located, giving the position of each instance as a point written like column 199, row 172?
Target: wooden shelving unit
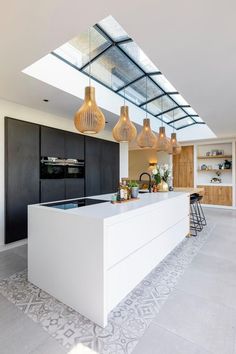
column 215, row 157
column 216, row 169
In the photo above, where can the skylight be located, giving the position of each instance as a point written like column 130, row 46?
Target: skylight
column 118, row 63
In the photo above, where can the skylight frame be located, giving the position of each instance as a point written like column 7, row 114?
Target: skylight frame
column 143, row 74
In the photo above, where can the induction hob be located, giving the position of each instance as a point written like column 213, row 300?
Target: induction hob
column 76, row 203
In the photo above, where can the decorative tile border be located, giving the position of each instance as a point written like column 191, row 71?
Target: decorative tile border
column 127, row 322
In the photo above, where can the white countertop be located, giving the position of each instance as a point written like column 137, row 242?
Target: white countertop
column 109, row 210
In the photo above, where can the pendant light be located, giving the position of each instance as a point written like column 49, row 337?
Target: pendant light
column 175, row 146
column 163, row 143
column 173, row 138
column 124, row 130
column 146, row 138
column 89, row 119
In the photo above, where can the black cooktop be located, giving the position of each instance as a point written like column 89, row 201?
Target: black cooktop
column 76, row 203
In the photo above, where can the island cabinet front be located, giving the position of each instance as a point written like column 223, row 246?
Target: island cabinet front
column 135, row 245
column 91, row 258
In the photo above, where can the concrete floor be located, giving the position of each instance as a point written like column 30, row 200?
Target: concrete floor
column 199, row 317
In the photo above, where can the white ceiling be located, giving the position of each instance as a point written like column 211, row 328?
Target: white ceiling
column 192, row 42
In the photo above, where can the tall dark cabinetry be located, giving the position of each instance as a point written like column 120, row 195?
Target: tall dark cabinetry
column 102, row 166
column 25, row 144
column 21, row 175
column 62, row 144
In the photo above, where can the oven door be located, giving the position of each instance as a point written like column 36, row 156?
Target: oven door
column 75, row 170
column 52, row 171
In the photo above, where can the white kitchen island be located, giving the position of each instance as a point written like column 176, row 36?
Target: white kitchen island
column 91, row 257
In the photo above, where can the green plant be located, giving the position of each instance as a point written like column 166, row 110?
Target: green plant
column 132, row 184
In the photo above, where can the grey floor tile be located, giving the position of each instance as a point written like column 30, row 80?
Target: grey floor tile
column 221, row 245
column 21, row 336
column 158, row 340
column 20, row 251
column 11, row 263
column 8, row 312
column 209, row 286
column 50, row 346
column 209, row 325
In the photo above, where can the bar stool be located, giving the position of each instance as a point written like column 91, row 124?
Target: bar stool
column 195, row 223
column 201, row 212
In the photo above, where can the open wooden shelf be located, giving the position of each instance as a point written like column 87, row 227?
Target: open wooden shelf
column 216, row 157
column 215, row 169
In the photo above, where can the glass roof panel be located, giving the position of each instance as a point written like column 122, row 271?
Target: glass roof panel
column 161, row 104
column 133, row 50
column 176, row 114
column 190, row 110
column 162, row 81
column 179, row 99
column 113, row 69
column 183, row 122
column 136, row 92
column 198, row 119
column 113, row 29
column 76, row 51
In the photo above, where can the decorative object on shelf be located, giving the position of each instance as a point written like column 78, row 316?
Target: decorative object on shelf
column 124, row 130
column 163, row 143
column 204, row 167
column 217, row 179
column 162, row 174
column 221, row 166
column 89, row 119
column 146, row 138
column 227, row 164
column 134, row 186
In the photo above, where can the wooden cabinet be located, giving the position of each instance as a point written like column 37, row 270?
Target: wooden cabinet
column 101, row 166
column 110, row 167
column 74, row 146
column 183, row 168
column 52, row 190
column 21, row 175
column 74, row 188
column 217, row 195
column 52, row 142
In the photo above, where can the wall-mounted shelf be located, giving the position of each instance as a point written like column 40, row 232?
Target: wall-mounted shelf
column 215, row 157
column 216, row 169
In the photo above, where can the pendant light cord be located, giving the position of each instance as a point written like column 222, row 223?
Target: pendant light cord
column 162, row 111
column 89, row 56
column 146, row 96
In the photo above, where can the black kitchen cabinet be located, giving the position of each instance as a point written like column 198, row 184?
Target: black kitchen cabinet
column 101, row 166
column 93, row 165
column 74, row 146
column 52, row 190
column 74, row 188
column 21, row 175
column 52, row 142
column 110, row 167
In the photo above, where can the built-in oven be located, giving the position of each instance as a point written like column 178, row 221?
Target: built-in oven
column 52, row 168
column 74, row 168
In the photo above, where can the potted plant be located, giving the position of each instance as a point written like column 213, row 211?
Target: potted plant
column 162, row 175
column 134, row 186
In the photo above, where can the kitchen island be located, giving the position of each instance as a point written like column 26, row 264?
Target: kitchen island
column 90, row 257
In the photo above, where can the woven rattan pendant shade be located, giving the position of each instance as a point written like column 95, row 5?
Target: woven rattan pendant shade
column 146, row 138
column 89, row 119
column 163, row 143
column 124, row 130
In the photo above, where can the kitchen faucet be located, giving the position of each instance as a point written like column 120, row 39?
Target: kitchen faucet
column 149, row 177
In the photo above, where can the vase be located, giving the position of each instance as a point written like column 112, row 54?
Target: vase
column 163, row 187
column 134, row 192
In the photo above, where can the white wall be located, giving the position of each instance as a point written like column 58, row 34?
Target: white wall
column 17, row 111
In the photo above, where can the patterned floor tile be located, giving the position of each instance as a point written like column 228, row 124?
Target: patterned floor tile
column 127, row 322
